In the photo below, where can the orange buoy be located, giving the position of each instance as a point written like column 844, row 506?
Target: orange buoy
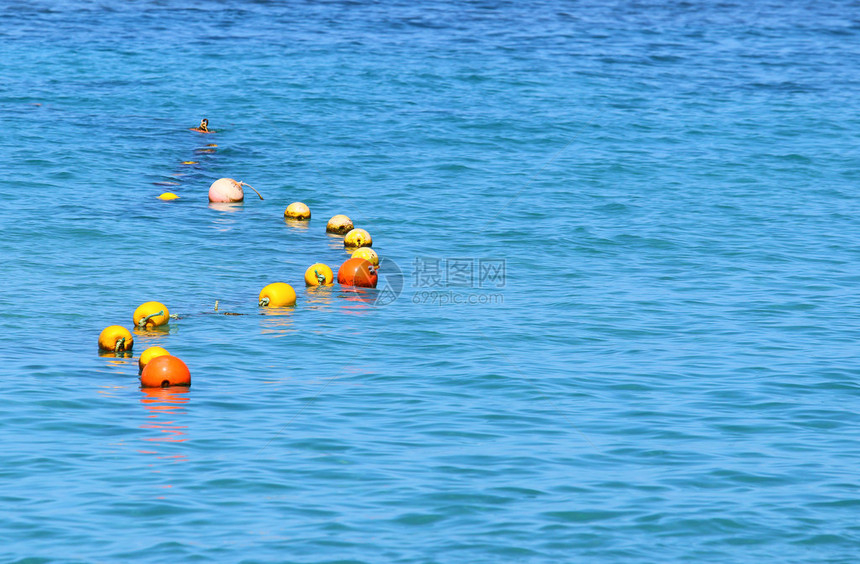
column 151, row 314
column 164, row 371
column 116, row 339
column 149, row 354
column 357, row 272
column 339, row 225
column 277, row 294
column 357, row 238
column 318, row 274
column 297, row 210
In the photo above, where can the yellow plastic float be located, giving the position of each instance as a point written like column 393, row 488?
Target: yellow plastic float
column 116, row 339
column 357, row 238
column 278, row 294
column 149, row 354
column 297, row 210
column 319, row 274
column 151, row 314
column 367, row 254
column 339, row 225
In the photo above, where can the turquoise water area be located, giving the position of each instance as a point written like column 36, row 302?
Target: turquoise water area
column 626, row 321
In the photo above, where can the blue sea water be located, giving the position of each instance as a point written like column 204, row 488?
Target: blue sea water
column 627, row 238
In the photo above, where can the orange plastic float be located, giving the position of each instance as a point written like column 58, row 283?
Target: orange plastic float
column 116, row 339
column 357, row 238
column 151, row 314
column 319, row 274
column 149, row 354
column 357, row 272
column 164, row 371
column 339, row 225
column 297, row 210
column 367, row 254
column 278, row 294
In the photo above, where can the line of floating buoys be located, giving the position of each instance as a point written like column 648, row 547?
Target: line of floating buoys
column 151, row 314
column 357, row 272
column 298, row 211
column 158, row 368
column 116, row 339
column 339, row 225
column 277, row 294
column 148, row 355
column 319, row 274
column 165, row 371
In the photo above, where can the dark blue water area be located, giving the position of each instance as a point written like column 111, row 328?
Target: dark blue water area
column 622, row 237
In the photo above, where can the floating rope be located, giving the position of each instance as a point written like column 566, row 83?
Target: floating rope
column 120, row 343
column 145, row 320
column 251, row 187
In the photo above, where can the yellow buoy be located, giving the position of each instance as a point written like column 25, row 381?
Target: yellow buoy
column 278, row 294
column 339, row 224
column 367, row 254
column 168, row 196
column 115, row 339
column 151, row 314
column 319, row 275
column 148, row 355
column 357, row 238
column 297, row 210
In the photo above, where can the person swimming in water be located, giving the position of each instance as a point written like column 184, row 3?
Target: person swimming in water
column 203, row 127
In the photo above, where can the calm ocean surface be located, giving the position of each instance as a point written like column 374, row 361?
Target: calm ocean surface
column 625, row 238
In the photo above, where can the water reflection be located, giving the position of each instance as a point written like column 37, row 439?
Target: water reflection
column 319, row 296
column 117, row 358
column 165, row 405
column 226, row 206
column 152, row 335
column 277, row 320
column 335, row 241
column 296, row 224
column 362, row 299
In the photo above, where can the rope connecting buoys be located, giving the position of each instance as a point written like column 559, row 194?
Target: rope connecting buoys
column 367, row 254
column 319, row 274
column 149, row 354
column 357, row 272
column 151, row 314
column 116, row 339
column 357, row 238
column 298, row 210
column 278, row 294
column 228, row 190
column 339, row 225
column 165, row 371
column 168, row 196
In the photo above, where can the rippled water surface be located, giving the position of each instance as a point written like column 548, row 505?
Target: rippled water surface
column 624, row 237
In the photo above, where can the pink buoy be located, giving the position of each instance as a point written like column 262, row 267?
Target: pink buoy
column 228, row 190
